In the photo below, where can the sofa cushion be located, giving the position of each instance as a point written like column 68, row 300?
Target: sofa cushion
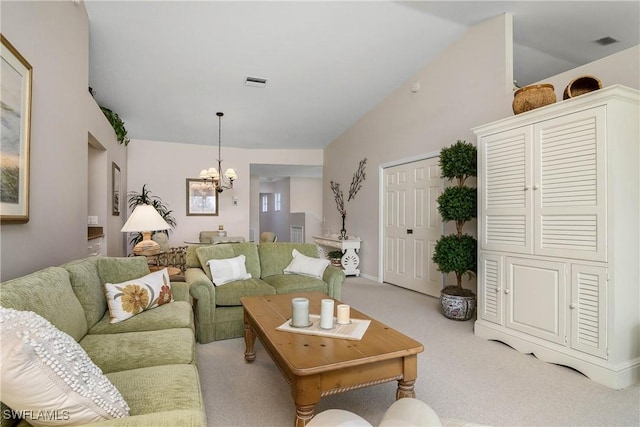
column 289, row 283
column 159, row 392
column 134, row 296
column 45, row 369
column 229, row 295
column 48, row 293
column 230, row 250
column 121, row 269
column 275, row 257
column 305, row 265
column 228, row 270
column 178, row 314
column 87, row 286
column 132, row 350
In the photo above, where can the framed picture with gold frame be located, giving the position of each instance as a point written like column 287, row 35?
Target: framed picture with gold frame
column 202, row 198
column 15, row 97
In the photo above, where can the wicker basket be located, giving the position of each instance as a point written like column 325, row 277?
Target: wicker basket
column 581, row 85
column 532, row 97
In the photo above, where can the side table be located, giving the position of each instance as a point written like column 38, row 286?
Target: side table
column 350, row 248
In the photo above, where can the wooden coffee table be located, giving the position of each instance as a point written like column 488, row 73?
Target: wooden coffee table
column 316, row 366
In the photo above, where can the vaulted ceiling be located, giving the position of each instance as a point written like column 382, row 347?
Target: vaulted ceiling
column 166, row 67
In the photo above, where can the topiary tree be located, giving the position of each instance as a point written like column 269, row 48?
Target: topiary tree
column 457, row 253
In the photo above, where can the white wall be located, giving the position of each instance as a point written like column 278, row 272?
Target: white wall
column 165, row 166
column 54, row 38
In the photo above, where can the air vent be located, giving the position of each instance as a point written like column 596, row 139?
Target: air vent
column 255, row 82
column 606, row 41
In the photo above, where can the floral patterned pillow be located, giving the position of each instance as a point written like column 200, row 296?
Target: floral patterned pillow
column 132, row 297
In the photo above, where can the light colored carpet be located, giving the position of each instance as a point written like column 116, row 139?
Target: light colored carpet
column 460, row 375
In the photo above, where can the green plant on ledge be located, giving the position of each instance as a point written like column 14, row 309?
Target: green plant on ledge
column 457, row 253
column 117, row 124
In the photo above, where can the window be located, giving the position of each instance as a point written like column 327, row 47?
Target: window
column 277, row 202
column 265, row 203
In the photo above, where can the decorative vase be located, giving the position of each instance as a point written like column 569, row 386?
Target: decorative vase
column 457, row 307
column 343, row 231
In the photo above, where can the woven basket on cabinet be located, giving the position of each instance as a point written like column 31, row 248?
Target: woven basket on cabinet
column 532, row 97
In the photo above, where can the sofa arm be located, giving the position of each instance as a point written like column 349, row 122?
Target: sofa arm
column 180, row 291
column 204, row 302
column 334, row 277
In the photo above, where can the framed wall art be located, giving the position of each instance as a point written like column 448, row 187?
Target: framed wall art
column 115, row 185
column 15, row 98
column 202, row 198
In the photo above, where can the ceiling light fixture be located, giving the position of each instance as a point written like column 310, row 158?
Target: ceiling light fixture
column 212, row 175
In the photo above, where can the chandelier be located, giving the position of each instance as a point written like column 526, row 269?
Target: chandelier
column 211, row 175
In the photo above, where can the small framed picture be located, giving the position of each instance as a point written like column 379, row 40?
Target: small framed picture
column 202, row 198
column 115, row 195
column 15, row 116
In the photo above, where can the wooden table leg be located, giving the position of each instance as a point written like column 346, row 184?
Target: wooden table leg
column 405, row 389
column 249, row 341
column 304, row 413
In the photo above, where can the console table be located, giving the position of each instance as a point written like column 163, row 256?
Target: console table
column 350, row 248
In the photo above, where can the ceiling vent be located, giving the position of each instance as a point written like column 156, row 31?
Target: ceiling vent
column 255, row 82
column 605, row 41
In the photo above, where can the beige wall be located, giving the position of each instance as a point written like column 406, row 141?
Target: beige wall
column 54, row 38
column 165, row 166
column 468, row 84
column 621, row 68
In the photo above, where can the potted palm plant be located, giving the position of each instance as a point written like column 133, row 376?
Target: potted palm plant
column 457, row 253
column 145, row 198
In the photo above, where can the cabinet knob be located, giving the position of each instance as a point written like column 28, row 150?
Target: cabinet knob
column 498, row 290
column 506, row 291
column 535, row 187
column 526, row 187
column 573, row 306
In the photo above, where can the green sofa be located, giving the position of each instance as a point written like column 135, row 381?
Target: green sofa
column 218, row 312
column 149, row 358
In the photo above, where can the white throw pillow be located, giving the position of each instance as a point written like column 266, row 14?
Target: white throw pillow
column 307, row 266
column 132, row 297
column 47, row 378
column 228, row 270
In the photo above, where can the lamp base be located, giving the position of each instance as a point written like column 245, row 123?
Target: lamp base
column 147, row 246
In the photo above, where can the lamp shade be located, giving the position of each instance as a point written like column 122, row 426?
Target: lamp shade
column 145, row 218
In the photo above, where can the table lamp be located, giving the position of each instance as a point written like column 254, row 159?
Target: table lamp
column 145, row 219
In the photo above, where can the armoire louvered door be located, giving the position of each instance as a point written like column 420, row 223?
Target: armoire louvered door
column 569, row 186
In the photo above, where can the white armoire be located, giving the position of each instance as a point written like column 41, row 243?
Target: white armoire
column 559, row 233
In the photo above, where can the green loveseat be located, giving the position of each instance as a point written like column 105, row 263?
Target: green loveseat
column 218, row 312
column 149, row 358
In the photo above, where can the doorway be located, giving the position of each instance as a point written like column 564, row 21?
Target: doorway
column 412, row 225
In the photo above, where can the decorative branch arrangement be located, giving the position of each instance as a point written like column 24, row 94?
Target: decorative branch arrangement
column 338, row 195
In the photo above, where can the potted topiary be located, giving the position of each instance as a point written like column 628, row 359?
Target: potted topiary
column 457, row 253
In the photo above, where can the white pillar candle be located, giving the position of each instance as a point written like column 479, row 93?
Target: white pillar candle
column 300, row 312
column 344, row 314
column 326, row 314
